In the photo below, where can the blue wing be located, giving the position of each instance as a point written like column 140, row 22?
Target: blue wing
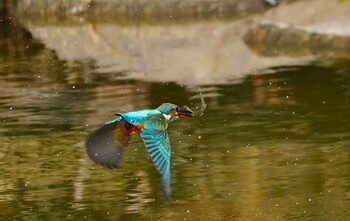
column 140, row 116
column 156, row 140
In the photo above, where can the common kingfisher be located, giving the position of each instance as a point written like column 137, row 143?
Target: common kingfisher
column 105, row 145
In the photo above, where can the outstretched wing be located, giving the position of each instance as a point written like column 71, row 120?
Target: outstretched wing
column 156, row 140
column 105, row 145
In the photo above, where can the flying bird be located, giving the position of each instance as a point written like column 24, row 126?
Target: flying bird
column 105, row 145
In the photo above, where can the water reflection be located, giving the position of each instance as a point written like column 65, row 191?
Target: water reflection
column 270, row 146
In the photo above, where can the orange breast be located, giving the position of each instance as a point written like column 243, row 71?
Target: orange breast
column 134, row 128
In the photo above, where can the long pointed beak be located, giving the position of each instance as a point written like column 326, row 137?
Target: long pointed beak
column 185, row 112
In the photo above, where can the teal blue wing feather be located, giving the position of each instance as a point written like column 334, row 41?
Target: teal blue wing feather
column 139, row 117
column 118, row 119
column 156, row 140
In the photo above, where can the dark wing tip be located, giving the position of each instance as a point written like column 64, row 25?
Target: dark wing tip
column 166, row 189
column 103, row 147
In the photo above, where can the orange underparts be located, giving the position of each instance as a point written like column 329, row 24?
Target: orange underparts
column 134, row 128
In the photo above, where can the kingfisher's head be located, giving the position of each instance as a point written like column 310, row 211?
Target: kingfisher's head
column 174, row 110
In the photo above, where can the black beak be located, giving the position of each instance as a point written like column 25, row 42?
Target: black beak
column 184, row 112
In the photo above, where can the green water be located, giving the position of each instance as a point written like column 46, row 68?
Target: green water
column 270, row 146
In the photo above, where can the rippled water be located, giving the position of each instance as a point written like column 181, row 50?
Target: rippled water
column 270, row 146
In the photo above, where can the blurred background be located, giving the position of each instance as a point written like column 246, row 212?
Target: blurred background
column 273, row 143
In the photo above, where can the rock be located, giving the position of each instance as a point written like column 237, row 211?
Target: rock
column 137, row 10
column 322, row 28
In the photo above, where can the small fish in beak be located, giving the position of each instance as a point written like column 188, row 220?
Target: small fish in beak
column 184, row 112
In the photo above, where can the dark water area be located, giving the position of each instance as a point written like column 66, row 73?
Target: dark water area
column 273, row 145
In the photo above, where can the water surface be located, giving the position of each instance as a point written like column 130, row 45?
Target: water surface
column 273, row 145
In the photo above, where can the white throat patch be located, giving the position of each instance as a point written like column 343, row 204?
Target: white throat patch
column 167, row 116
